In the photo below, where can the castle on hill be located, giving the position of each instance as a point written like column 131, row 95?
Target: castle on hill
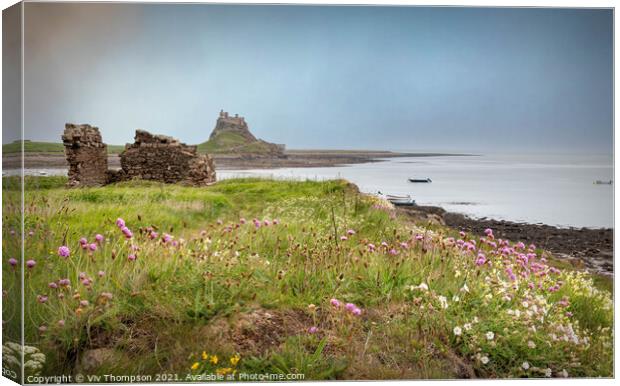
column 235, row 124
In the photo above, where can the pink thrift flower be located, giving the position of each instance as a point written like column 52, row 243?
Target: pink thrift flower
column 127, row 232
column 101, row 274
column 131, row 257
column 120, row 222
column 343, row 238
column 335, row 302
column 350, row 232
column 93, row 247
column 313, row 330
column 99, row 238
column 83, row 241
column 41, row 298
column 12, row 262
column 53, row 285
column 31, row 263
column 61, row 323
column 356, row 312
column 64, row 251
column 349, row 307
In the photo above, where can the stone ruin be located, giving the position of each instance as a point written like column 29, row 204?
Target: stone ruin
column 150, row 157
column 87, row 155
column 162, row 158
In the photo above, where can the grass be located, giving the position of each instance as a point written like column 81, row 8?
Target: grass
column 248, row 266
column 227, row 142
column 47, row 147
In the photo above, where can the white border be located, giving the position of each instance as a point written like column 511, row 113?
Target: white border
column 478, row 3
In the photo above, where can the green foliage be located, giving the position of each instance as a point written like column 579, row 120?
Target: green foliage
column 230, row 142
column 233, row 268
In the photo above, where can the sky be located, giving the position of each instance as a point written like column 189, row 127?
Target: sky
column 397, row 78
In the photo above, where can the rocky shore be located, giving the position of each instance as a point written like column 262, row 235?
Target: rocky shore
column 591, row 249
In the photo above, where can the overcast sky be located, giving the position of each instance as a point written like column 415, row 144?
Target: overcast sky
column 466, row 79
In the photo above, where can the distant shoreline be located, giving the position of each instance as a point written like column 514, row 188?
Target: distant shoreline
column 297, row 158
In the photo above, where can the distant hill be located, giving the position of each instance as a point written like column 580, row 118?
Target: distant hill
column 47, row 147
column 232, row 135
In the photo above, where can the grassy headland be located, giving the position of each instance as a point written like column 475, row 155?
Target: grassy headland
column 256, row 276
column 47, row 147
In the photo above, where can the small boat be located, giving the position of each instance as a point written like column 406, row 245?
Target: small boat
column 599, row 182
column 43, row 173
column 400, row 200
column 421, row 180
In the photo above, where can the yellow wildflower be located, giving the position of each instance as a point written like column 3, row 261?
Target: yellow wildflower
column 214, row 359
column 205, row 356
column 195, row 366
column 235, row 359
column 223, row 371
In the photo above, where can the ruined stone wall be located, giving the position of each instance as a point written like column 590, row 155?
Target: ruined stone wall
column 150, row 157
column 86, row 154
column 162, row 158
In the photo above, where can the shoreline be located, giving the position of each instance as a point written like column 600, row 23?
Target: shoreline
column 291, row 159
column 589, row 248
column 583, row 248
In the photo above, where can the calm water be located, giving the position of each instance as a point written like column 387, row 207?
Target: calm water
column 554, row 190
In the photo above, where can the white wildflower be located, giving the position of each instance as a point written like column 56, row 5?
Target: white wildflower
column 457, row 331
column 467, row 326
column 443, row 301
column 484, row 360
column 525, row 365
column 490, row 335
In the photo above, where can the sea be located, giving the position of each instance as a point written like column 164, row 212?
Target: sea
column 556, row 190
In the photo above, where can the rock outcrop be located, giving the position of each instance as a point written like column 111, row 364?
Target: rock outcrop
column 232, row 135
column 86, row 154
column 163, row 158
column 150, row 157
column 236, row 124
